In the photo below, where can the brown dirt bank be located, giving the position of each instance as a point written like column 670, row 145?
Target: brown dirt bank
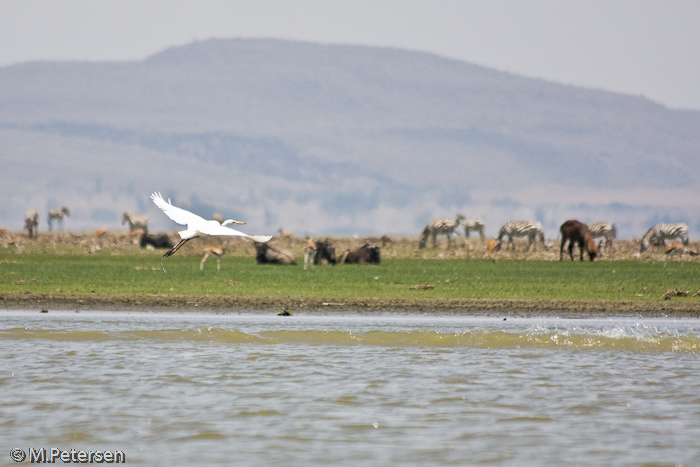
column 224, row 303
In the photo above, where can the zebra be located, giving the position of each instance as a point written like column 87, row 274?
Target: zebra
column 532, row 230
column 31, row 222
column 660, row 232
column 135, row 222
column 57, row 215
column 474, row 225
column 440, row 227
column 606, row 230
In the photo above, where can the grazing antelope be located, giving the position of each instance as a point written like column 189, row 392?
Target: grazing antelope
column 673, row 250
column 58, row 215
column 8, row 241
column 135, row 222
column 532, row 230
column 492, row 246
column 31, row 222
column 217, row 253
column 677, row 249
column 574, row 231
column 474, row 225
column 440, row 227
column 97, row 240
column 135, row 236
column 14, row 241
column 309, row 254
column 604, row 230
column 660, row 232
column 285, row 235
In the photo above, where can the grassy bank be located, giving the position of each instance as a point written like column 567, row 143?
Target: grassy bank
column 62, row 270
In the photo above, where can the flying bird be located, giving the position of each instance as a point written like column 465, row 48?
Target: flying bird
column 198, row 226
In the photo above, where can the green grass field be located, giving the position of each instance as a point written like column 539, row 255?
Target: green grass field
column 67, row 269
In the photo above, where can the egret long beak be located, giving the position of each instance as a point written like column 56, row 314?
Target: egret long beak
column 231, row 221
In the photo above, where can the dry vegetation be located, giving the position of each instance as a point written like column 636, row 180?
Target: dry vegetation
column 392, row 246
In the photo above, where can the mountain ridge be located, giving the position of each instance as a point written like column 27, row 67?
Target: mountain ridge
column 336, row 139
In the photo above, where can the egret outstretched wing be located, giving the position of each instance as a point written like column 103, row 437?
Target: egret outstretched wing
column 214, row 228
column 198, row 226
column 178, row 215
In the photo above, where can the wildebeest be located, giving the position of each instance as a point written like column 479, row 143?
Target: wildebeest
column 265, row 254
column 365, row 254
column 325, row 251
column 155, row 240
column 575, row 231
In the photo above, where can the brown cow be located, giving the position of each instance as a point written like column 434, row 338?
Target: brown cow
column 575, row 231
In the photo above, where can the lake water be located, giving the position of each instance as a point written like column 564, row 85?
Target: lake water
column 348, row 390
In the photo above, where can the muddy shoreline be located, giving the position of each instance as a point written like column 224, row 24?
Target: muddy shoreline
column 237, row 304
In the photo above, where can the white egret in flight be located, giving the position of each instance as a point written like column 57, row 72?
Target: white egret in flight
column 198, row 226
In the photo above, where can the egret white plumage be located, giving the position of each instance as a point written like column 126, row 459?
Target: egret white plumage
column 198, row 226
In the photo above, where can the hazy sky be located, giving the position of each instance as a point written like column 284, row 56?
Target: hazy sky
column 640, row 47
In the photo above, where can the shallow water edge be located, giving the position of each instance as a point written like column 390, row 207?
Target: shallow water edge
column 675, row 308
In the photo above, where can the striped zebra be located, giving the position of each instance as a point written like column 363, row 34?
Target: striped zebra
column 135, row 222
column 474, row 225
column 58, row 215
column 532, row 230
column 604, row 230
column 660, row 232
column 31, row 222
column 440, row 227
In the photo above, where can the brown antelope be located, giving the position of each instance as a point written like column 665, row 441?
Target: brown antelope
column 12, row 241
column 680, row 250
column 97, row 240
column 492, row 246
column 309, row 254
column 286, row 235
column 217, row 253
column 574, row 231
column 135, row 236
column 673, row 250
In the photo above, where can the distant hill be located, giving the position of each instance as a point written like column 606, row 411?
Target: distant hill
column 335, row 139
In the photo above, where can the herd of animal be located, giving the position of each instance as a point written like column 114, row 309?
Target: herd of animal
column 572, row 232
